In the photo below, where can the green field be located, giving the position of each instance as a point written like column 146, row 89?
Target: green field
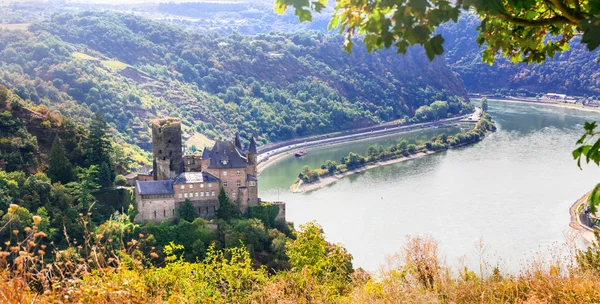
column 79, row 55
column 114, row 65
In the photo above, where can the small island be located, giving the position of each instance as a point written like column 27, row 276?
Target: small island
column 310, row 179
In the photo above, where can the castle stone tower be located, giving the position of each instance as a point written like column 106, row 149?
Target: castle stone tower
column 252, row 157
column 167, row 151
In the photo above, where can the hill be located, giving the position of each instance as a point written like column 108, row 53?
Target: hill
column 574, row 72
column 277, row 86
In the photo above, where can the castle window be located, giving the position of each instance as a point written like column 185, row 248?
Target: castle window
column 173, row 210
column 224, row 173
column 233, row 194
column 159, row 151
column 154, row 213
column 182, row 187
column 199, row 211
column 224, row 184
column 207, row 210
column 213, row 193
column 191, row 186
column 164, row 212
column 169, row 141
column 201, row 193
column 201, row 185
column 179, row 195
column 238, row 173
column 252, row 183
column 185, row 195
column 209, row 185
column 239, row 183
column 207, row 193
column 196, row 194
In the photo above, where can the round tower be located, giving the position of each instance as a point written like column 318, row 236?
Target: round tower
column 167, row 152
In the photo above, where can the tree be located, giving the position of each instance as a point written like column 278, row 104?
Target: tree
column 227, row 210
column 412, row 149
column 59, row 166
column 525, row 31
column 186, row 211
column 82, row 190
column 105, row 176
column 484, row 104
column 120, row 180
column 98, row 147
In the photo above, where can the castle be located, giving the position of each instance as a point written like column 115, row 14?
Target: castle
column 178, row 177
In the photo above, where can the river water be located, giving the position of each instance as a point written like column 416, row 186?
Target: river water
column 513, row 191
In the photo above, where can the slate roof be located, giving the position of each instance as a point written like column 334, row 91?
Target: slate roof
column 252, row 148
column 238, row 142
column 251, row 178
column 194, row 177
column 155, row 187
column 226, row 155
column 206, row 153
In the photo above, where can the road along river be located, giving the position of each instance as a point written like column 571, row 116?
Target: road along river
column 513, row 190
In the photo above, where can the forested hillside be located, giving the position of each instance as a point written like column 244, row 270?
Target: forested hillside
column 574, row 72
column 277, row 86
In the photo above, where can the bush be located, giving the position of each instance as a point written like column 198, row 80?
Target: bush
column 120, row 180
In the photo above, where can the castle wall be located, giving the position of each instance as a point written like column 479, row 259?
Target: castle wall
column 166, row 148
column 281, row 215
column 206, row 209
column 229, row 180
column 192, row 163
column 156, row 208
column 196, row 191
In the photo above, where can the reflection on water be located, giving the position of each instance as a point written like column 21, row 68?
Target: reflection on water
column 513, row 190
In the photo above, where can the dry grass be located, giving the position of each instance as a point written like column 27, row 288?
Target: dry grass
column 15, row 26
column 106, row 269
column 200, row 140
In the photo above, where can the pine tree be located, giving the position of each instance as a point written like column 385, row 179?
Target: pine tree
column 98, row 150
column 59, row 167
column 106, row 175
column 186, row 211
column 97, row 146
column 227, row 210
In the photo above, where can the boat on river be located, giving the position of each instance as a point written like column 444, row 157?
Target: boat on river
column 300, row 153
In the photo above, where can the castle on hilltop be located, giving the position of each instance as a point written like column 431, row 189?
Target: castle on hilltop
column 198, row 178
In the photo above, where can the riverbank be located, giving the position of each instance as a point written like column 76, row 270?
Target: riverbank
column 584, row 231
column 268, row 157
column 330, row 172
column 551, row 104
column 328, row 180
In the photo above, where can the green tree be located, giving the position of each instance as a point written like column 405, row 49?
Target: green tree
column 227, row 210
column 484, row 104
column 82, row 190
column 98, row 147
column 412, row 149
column 439, row 109
column 120, row 180
column 525, row 31
column 59, row 166
column 186, row 211
column 105, row 176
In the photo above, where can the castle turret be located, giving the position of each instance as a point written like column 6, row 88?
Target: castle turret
column 252, row 157
column 238, row 142
column 166, row 148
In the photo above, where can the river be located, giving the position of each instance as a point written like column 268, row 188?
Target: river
column 513, row 191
